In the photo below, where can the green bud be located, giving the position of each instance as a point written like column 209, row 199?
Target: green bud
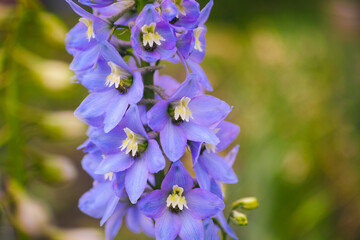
column 247, row 203
column 239, row 218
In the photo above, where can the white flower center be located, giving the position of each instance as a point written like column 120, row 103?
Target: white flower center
column 109, row 176
column 150, row 36
column 89, row 24
column 182, row 110
column 176, row 199
column 197, row 33
column 116, row 75
column 132, row 141
column 180, row 7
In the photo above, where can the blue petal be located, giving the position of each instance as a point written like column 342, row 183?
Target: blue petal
column 108, row 142
column 217, row 167
column 110, row 208
column 113, row 225
column 167, row 227
column 94, row 79
column 133, row 217
column 205, row 12
column 153, row 204
column 115, row 111
column 155, row 160
column 177, row 175
column 132, row 121
column 96, row 3
column 77, row 40
column 189, row 88
column 110, row 53
column 147, row 225
column 85, row 59
column 158, row 115
column 202, row 177
column 231, row 156
column 114, row 163
column 168, row 83
column 196, row 68
column 119, row 183
column 185, row 44
column 81, row 12
column 210, row 230
column 227, row 134
column 220, row 217
column 190, row 228
column 136, row 91
column 203, row 204
column 208, row 111
column 135, row 179
column 215, row 188
column 168, row 10
column 197, row 133
column 90, row 163
column 94, row 202
column 195, row 148
column 173, row 141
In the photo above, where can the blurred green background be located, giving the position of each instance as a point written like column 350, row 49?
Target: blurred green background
column 291, row 69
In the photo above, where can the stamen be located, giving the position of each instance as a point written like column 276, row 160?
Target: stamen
column 197, row 33
column 150, row 38
column 89, row 24
column 109, row 176
column 132, row 142
column 176, row 201
column 182, row 110
column 116, row 76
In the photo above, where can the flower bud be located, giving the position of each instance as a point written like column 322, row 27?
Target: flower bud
column 247, row 203
column 239, row 218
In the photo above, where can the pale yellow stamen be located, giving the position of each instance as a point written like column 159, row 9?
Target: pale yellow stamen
column 182, row 110
column 131, row 142
column 116, row 75
column 150, row 36
column 109, row 176
column 197, row 33
column 89, row 24
column 179, row 6
column 176, row 199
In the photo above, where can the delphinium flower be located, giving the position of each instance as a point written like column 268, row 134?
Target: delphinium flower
column 138, row 119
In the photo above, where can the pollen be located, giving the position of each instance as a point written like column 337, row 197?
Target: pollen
column 179, row 5
column 109, row 176
column 132, row 142
column 176, row 201
column 89, row 24
column 151, row 38
column 116, row 76
column 197, row 33
column 182, row 111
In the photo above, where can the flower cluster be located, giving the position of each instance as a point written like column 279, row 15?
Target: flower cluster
column 139, row 119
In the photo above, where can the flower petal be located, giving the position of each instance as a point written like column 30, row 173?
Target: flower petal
column 217, row 167
column 115, row 111
column 222, row 220
column 167, row 227
column 153, row 204
column 177, row 175
column 173, row 141
column 198, row 133
column 110, row 207
column 210, row 230
column 208, row 110
column 158, row 115
column 227, row 134
column 155, row 160
column 203, row 204
column 202, row 177
column 113, row 225
column 135, row 179
column 189, row 88
column 114, row 163
column 191, row 228
column 133, row 219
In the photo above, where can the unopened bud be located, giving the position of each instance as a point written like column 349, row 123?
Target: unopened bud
column 247, row 203
column 239, row 218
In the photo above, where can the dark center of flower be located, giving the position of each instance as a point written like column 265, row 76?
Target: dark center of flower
column 125, row 84
column 174, row 20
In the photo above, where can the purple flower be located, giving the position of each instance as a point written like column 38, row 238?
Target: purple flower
column 114, row 86
column 181, row 13
column 97, row 3
column 186, row 116
column 128, row 150
column 152, row 38
column 177, row 208
column 208, row 164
